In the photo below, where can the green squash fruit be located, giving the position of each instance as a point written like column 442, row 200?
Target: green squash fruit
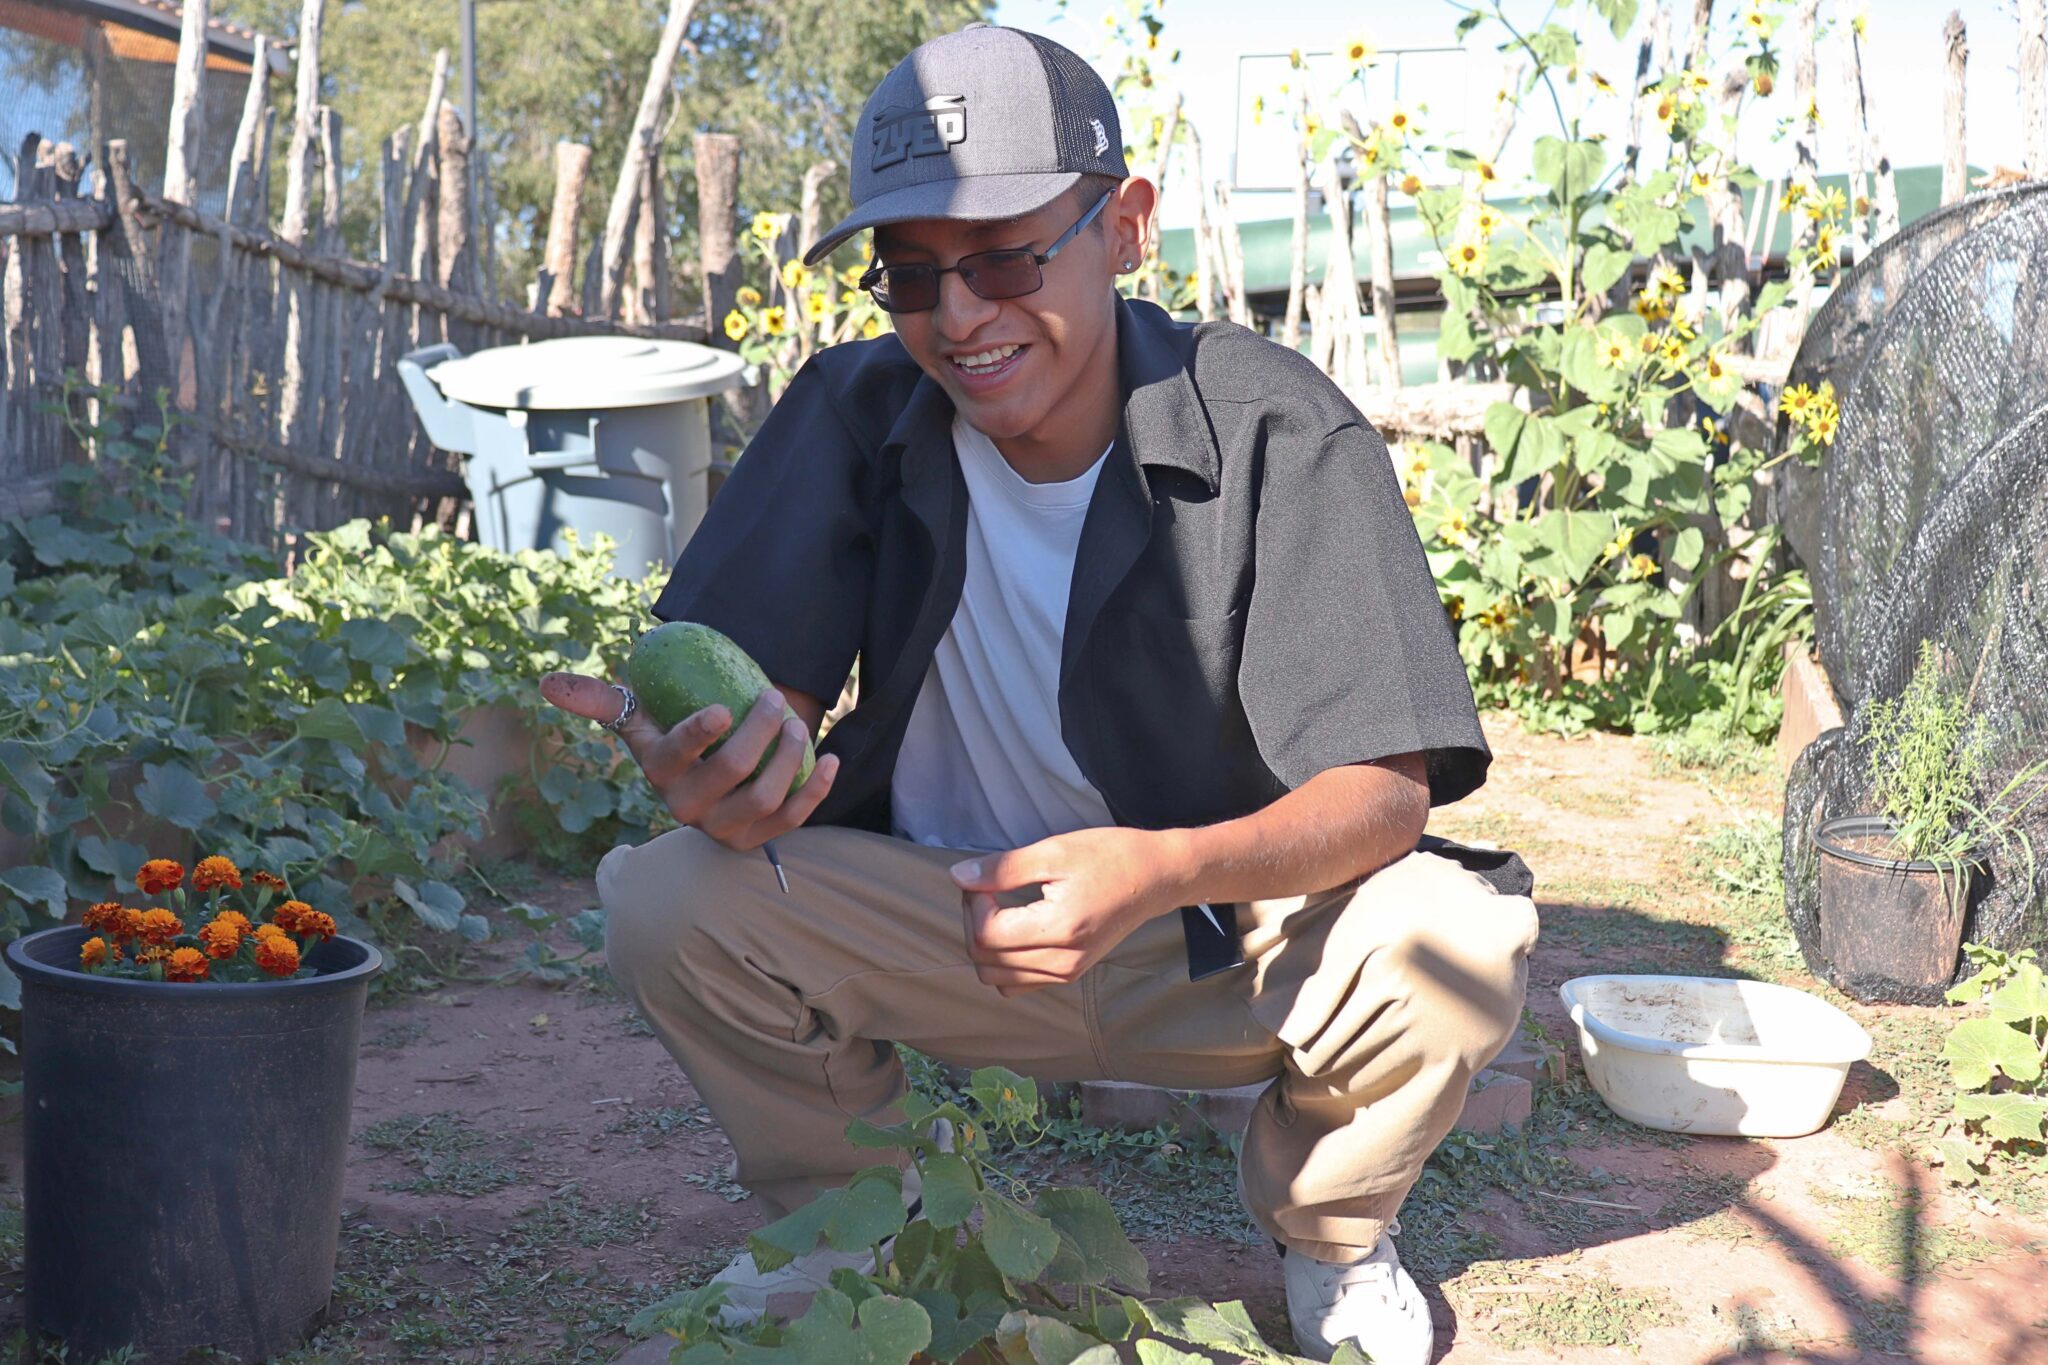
column 679, row 668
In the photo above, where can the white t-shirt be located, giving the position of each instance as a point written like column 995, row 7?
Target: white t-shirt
column 983, row 765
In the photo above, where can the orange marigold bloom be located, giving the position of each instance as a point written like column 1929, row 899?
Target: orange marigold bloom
column 288, row 915
column 277, row 955
column 186, row 964
column 236, row 920
column 216, row 872
column 160, row 925
column 148, row 955
column 270, row 881
column 269, row 931
column 159, row 875
column 131, row 923
column 222, row 940
column 316, row 924
column 106, row 917
column 93, row 952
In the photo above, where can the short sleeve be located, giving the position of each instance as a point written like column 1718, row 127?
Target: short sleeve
column 783, row 560
column 1348, row 653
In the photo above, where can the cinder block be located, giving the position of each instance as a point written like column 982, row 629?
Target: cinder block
column 1127, row 1104
column 1524, row 1056
column 1230, row 1111
column 1496, row 1099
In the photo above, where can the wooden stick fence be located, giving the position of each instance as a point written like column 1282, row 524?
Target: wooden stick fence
column 277, row 351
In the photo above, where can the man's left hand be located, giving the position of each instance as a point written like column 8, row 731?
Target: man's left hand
column 1097, row 885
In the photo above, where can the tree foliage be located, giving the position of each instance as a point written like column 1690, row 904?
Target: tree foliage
column 788, row 78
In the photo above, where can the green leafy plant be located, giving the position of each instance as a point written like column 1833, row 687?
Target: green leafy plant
column 1998, row 1061
column 1929, row 761
column 989, row 1271
column 158, row 682
column 1617, row 486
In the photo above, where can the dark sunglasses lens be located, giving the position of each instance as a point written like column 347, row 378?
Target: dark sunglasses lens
column 907, row 289
column 1002, row 274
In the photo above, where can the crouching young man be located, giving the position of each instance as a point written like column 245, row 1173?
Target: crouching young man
column 1155, row 694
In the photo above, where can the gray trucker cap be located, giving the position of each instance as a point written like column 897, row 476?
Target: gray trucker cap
column 980, row 125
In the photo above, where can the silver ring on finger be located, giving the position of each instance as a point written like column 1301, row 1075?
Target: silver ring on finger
column 628, row 704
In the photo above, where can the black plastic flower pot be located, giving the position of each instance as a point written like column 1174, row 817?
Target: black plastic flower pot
column 184, row 1145
column 1886, row 922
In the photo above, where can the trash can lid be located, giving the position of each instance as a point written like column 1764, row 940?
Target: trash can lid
column 588, row 372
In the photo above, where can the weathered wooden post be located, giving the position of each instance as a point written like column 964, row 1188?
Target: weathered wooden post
column 718, row 182
column 810, row 212
column 1870, row 154
column 1154, row 286
column 558, row 262
column 1208, row 255
column 1297, row 250
column 452, row 251
column 1379, row 222
column 1955, row 165
column 618, row 223
column 1230, row 244
column 650, row 245
column 181, row 154
column 298, row 185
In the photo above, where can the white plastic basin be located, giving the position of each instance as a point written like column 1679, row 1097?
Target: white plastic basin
column 1696, row 1054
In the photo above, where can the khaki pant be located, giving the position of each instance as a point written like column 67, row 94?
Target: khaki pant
column 1369, row 1006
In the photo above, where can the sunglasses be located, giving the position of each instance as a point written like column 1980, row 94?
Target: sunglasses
column 1007, row 274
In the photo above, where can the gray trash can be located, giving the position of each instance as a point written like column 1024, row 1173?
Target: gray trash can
column 592, row 434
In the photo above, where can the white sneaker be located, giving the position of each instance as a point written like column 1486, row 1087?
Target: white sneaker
column 748, row 1288
column 1373, row 1303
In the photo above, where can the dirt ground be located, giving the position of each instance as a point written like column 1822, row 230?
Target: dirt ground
column 528, row 1166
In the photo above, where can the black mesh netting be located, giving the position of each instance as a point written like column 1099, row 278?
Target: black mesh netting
column 1932, row 525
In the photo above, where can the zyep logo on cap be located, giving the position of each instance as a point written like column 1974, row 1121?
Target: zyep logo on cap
column 931, row 131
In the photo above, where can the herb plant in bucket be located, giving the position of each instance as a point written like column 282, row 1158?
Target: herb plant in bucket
column 1895, row 883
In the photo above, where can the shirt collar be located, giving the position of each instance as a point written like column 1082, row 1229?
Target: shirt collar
column 1164, row 420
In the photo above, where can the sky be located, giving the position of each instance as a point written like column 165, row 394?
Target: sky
column 1903, row 56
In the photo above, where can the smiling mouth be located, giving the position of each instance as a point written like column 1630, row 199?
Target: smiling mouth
column 982, row 364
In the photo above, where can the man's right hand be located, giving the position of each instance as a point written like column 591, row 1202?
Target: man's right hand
column 714, row 793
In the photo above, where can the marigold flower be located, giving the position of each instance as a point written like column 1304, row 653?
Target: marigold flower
column 316, row 924
column 214, row 873
column 160, row 926
column 235, row 919
column 93, row 952
column 265, row 931
column 222, row 940
column 269, row 881
column 106, row 917
column 278, row 956
column 159, row 875
column 287, row 915
column 735, row 324
column 149, row 955
column 186, row 964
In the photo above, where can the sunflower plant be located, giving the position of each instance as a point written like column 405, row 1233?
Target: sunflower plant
column 238, row 937
column 795, row 309
column 1617, row 485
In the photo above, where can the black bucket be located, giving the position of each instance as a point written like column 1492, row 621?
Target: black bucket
column 1892, row 928
column 184, row 1145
